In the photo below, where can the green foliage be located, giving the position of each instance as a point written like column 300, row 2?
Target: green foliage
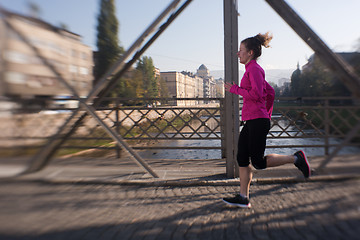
column 317, row 80
column 141, row 82
column 150, row 83
column 107, row 38
column 138, row 83
column 129, row 86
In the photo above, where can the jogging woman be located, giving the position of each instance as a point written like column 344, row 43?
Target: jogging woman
column 258, row 99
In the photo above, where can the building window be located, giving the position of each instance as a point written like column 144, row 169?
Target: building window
column 74, row 53
column 15, row 57
column 73, row 69
column 83, row 71
column 84, row 56
column 15, row 78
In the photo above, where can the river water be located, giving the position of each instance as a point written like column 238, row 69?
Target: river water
column 216, row 153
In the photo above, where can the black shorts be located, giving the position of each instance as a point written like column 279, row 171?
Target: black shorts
column 252, row 143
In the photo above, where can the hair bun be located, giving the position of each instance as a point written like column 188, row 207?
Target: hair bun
column 264, row 39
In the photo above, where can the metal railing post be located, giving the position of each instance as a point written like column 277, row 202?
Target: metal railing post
column 117, row 125
column 231, row 76
column 222, row 128
column 327, row 126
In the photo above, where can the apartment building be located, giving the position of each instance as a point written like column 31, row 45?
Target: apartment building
column 189, row 85
column 184, row 85
column 35, row 55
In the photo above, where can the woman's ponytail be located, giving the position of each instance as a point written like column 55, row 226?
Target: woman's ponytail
column 255, row 43
column 264, row 39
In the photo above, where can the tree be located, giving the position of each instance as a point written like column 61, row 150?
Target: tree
column 296, row 82
column 317, row 80
column 150, row 82
column 107, row 38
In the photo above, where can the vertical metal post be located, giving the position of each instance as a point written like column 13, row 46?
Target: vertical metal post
column 117, row 126
column 327, row 127
column 231, row 75
column 222, row 128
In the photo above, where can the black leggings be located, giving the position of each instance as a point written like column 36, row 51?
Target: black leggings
column 252, row 143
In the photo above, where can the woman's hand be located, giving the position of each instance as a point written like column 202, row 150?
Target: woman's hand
column 228, row 86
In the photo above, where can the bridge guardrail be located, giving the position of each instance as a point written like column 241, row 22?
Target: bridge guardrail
column 24, row 130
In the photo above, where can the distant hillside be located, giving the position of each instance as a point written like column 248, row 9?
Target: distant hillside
column 272, row 75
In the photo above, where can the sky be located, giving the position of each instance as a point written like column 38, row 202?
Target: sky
column 196, row 37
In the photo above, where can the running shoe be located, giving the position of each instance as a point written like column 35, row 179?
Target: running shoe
column 238, row 201
column 302, row 163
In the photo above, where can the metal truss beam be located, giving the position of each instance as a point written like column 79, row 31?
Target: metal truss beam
column 332, row 60
column 43, row 157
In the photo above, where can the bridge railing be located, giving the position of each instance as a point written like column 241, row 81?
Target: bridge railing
column 144, row 123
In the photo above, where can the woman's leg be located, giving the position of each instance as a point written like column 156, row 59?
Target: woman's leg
column 299, row 159
column 253, row 142
column 245, row 180
column 274, row 160
column 243, row 159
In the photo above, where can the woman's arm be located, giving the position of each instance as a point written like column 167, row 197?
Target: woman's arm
column 270, row 96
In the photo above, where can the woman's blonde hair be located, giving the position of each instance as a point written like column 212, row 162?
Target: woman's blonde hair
column 255, row 43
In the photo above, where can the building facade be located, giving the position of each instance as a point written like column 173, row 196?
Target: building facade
column 35, row 55
column 189, row 85
column 184, row 85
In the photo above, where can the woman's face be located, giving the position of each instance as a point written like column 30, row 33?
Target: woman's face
column 244, row 55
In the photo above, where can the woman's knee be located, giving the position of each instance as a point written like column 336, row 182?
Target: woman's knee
column 259, row 162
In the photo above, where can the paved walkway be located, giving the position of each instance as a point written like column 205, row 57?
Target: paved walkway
column 180, row 172
column 92, row 199
column 311, row 210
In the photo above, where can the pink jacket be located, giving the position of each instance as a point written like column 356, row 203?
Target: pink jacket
column 257, row 94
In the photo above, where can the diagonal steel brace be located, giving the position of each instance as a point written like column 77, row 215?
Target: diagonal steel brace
column 45, row 154
column 335, row 62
